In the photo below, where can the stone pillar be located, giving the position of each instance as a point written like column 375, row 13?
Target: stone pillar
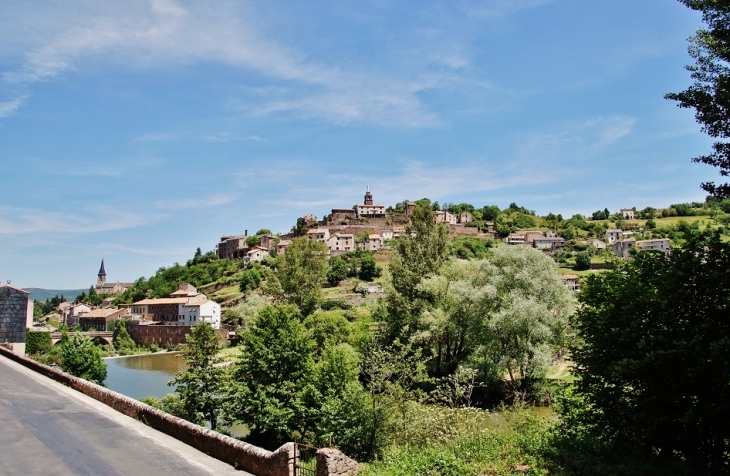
column 332, row 462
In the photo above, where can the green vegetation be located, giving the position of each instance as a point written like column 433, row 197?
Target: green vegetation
column 653, row 333
column 37, row 342
column 81, row 358
column 202, row 382
column 201, row 270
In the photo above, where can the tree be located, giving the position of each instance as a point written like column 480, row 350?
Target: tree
column 250, row 279
column 200, row 385
column 368, row 268
column 418, row 253
column 582, row 260
column 274, row 366
column 302, row 272
column 123, row 342
column 263, row 231
column 528, row 312
column 650, row 224
column 709, row 94
column 81, row 358
column 338, row 271
column 652, row 353
column 453, row 325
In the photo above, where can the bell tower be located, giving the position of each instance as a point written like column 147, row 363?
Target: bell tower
column 368, row 197
column 101, row 279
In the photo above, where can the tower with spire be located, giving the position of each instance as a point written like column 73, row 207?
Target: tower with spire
column 368, row 196
column 101, row 279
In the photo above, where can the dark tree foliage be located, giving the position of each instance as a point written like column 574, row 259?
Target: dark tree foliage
column 709, row 95
column 201, row 384
column 417, row 254
column 582, row 260
column 274, row 366
column 654, row 363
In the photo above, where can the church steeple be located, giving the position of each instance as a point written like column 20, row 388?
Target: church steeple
column 102, row 275
column 368, row 196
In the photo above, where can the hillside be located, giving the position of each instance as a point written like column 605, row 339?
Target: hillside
column 39, row 294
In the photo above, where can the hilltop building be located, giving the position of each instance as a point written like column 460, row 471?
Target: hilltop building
column 102, row 287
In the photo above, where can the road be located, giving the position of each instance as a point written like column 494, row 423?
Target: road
column 47, row 428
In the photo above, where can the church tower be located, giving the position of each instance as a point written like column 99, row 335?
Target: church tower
column 101, row 276
column 368, row 197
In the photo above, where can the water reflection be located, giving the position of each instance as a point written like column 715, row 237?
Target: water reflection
column 141, row 376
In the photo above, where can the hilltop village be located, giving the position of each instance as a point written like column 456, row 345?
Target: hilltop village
column 577, row 244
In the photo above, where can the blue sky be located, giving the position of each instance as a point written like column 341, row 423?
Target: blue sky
column 137, row 131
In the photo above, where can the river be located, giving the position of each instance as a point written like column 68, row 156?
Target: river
column 140, row 376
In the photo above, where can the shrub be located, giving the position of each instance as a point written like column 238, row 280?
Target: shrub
column 37, row 342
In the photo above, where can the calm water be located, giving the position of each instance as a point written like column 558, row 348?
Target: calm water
column 140, row 376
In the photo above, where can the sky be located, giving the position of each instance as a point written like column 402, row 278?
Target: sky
column 138, row 131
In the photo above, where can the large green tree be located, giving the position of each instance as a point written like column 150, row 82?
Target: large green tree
column 653, row 360
column 528, row 313
column 201, row 384
column 418, row 253
column 81, row 358
column 302, row 272
column 274, row 368
column 454, row 323
column 709, row 95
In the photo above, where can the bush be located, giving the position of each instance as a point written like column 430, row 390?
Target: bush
column 37, row 342
column 336, row 304
column 582, row 260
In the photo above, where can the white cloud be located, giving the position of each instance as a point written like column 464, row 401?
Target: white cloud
column 8, row 108
column 17, row 221
column 162, row 31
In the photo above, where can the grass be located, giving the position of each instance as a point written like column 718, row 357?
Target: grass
column 561, row 371
column 229, row 354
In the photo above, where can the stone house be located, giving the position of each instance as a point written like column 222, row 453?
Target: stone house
column 341, row 242
column 570, row 281
column 309, row 219
column 74, row 313
column 98, row 319
column 281, row 246
column 373, row 243
column 319, row 234
column 14, row 310
column 342, row 214
column 257, row 253
column 232, row 246
column 627, row 213
column 613, row 235
column 186, row 308
column 517, row 238
column 659, row 244
column 444, row 216
column 622, row 247
column 466, row 217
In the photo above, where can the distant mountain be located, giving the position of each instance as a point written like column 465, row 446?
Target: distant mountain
column 38, row 294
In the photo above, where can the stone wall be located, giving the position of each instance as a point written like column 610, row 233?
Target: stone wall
column 13, row 314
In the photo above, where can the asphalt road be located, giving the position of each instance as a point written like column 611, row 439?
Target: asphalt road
column 49, row 429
